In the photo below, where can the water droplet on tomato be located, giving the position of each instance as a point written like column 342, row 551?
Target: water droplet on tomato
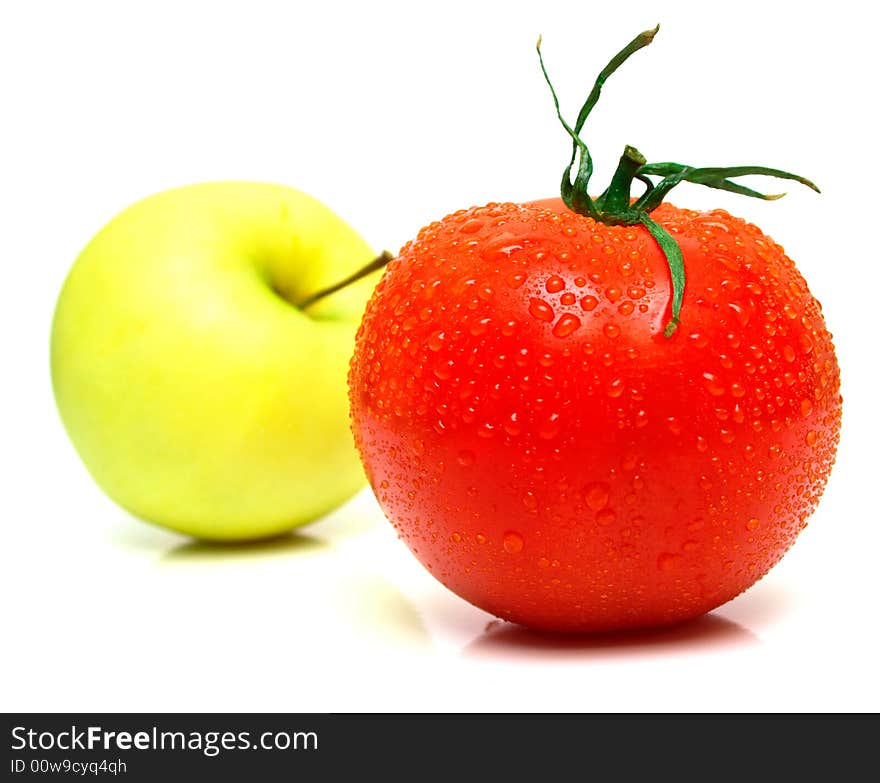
column 614, row 388
column 540, row 309
column 741, row 312
column 529, row 500
column 516, row 279
column 605, row 517
column 512, row 425
column 668, row 561
column 589, row 303
column 486, row 430
column 611, row 331
column 549, row 428
column 753, row 524
column 806, row 342
column 568, row 298
column 466, row 458
column 513, row 542
column 713, row 384
column 811, row 438
column 480, row 326
column 596, row 495
column 456, row 537
column 444, row 370
column 435, row 341
column 554, row 284
column 567, row 324
column 806, row 407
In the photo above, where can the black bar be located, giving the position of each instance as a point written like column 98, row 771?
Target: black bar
column 266, row 747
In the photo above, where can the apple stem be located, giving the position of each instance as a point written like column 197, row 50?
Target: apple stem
column 377, row 263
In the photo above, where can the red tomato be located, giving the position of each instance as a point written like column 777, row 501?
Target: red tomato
column 550, row 456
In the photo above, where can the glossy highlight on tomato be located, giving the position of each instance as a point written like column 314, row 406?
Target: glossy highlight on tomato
column 550, row 456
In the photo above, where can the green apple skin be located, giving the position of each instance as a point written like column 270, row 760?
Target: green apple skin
column 197, row 395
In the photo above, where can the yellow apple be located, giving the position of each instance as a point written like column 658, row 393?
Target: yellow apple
column 197, row 390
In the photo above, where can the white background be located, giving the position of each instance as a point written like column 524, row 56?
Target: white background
column 395, row 114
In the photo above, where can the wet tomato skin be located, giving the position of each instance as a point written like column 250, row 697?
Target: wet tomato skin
column 550, row 456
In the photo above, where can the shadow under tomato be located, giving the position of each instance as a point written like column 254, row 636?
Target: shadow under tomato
column 709, row 632
column 762, row 605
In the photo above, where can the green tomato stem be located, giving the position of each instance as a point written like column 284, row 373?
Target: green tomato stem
column 615, row 206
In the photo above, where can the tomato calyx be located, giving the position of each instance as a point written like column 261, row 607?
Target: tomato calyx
column 616, row 207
